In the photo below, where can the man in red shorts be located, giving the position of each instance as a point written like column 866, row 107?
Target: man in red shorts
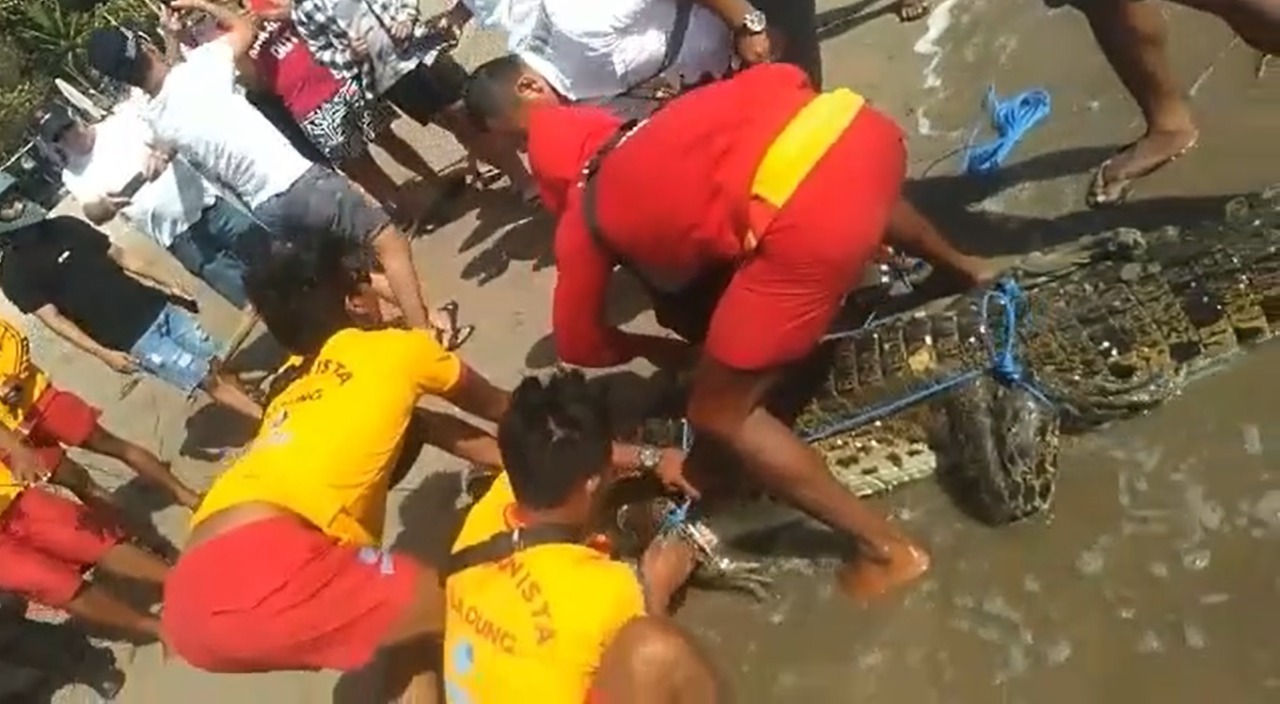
column 50, row 420
column 48, row 542
column 749, row 207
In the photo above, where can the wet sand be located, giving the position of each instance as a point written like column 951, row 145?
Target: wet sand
column 1155, row 579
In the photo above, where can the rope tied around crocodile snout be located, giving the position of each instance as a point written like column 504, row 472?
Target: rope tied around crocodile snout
column 1004, row 364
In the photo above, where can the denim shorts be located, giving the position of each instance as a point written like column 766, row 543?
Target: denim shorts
column 323, row 202
column 176, row 349
column 213, row 249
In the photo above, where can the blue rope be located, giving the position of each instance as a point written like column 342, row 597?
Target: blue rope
column 1012, row 119
column 676, row 516
column 1004, row 364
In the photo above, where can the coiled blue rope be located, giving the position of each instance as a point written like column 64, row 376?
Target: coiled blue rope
column 1012, row 119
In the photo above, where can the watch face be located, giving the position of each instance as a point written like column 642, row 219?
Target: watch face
column 754, row 22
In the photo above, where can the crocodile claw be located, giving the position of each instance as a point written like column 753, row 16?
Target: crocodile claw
column 725, row 574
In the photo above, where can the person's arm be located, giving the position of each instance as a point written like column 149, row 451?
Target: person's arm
column 396, row 258
column 100, row 210
column 913, row 233
column 329, row 43
column 475, row 394
column 170, row 32
column 460, row 438
column 582, row 336
column 22, row 461
column 135, row 266
column 69, row 331
column 752, row 48
column 240, row 32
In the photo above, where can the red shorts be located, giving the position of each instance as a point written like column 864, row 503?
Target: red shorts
column 278, row 595
column 59, row 420
column 46, row 544
column 783, row 299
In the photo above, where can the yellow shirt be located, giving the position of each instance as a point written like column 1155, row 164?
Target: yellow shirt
column 531, row 628
column 19, row 377
column 328, row 439
column 9, row 487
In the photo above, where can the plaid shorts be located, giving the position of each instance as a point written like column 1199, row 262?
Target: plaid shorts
column 343, row 126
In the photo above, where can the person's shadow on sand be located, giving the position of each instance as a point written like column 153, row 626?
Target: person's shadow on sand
column 39, row 659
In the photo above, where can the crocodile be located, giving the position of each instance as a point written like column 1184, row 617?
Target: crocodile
column 979, row 389
column 1108, row 326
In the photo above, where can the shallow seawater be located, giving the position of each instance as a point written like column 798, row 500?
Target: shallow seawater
column 1157, row 578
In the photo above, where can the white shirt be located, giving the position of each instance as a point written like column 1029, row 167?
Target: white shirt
column 162, row 209
column 601, row 48
column 200, row 112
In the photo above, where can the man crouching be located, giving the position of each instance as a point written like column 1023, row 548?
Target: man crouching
column 537, row 613
column 283, row 569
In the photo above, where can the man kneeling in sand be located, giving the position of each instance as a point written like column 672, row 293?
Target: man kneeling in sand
column 282, row 570
column 48, row 542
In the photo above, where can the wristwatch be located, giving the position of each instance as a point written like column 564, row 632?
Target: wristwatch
column 649, row 457
column 753, row 22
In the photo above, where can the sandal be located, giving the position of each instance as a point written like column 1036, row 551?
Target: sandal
column 1104, row 193
column 454, row 336
column 912, row 10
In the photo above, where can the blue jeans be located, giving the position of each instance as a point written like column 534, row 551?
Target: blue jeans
column 212, row 248
column 176, row 349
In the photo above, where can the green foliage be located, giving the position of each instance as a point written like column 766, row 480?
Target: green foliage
column 41, row 40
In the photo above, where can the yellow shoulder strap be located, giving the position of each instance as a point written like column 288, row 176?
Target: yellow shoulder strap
column 802, row 143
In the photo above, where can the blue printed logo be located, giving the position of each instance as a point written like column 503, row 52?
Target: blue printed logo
column 462, row 662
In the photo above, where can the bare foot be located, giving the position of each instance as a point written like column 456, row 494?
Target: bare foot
column 863, row 580
column 912, row 10
column 1112, row 180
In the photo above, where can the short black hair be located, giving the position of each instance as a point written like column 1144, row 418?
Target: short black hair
column 556, row 435
column 490, row 92
column 300, row 284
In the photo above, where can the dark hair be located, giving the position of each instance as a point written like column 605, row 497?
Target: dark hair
column 555, row 436
column 300, row 284
column 490, row 93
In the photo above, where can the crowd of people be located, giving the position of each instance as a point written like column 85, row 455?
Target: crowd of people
column 765, row 198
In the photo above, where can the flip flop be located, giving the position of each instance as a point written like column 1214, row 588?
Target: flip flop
column 912, row 10
column 1098, row 195
column 455, row 336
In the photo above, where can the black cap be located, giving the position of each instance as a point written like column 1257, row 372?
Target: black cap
column 116, row 53
column 56, row 121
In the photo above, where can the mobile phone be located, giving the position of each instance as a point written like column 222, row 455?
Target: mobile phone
column 133, row 186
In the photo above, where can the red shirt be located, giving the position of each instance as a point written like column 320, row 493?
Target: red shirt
column 286, row 67
column 672, row 197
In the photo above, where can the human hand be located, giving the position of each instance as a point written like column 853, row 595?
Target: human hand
column 157, row 162
column 670, row 471
column 170, row 25
column 122, row 362
column 754, row 48
column 115, row 201
column 359, row 47
column 666, row 565
column 401, row 30
column 973, row 272
column 187, row 5
column 27, row 468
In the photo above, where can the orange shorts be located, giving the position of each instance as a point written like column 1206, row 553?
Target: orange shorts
column 279, row 595
column 783, row 299
column 46, row 544
column 59, row 420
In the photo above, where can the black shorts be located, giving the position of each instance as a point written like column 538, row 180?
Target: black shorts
column 687, row 312
column 428, row 89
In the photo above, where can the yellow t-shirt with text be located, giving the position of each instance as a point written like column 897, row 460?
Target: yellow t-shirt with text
column 19, row 378
column 328, row 439
column 532, row 627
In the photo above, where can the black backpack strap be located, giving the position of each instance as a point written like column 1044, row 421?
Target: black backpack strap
column 504, row 545
column 590, row 197
column 675, row 42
